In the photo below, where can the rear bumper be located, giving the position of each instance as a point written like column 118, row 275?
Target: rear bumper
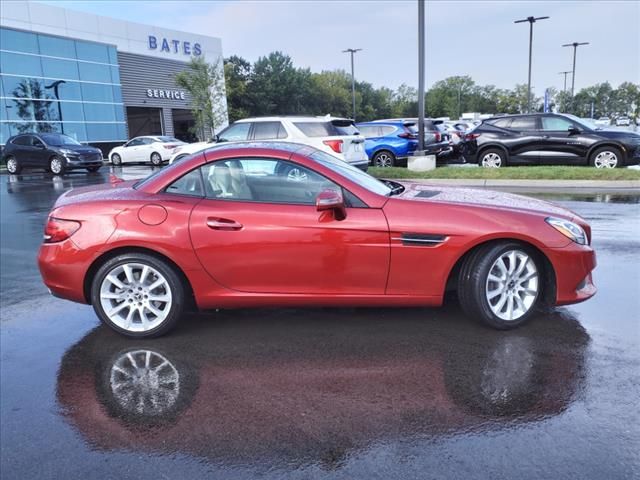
column 63, row 267
column 573, row 265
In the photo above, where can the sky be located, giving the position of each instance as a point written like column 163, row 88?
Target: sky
column 475, row 38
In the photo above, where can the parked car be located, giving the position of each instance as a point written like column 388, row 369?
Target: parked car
column 336, row 136
column 602, row 122
column 437, row 140
column 54, row 152
column 389, row 144
column 154, row 149
column 283, row 224
column 549, row 139
column 623, row 121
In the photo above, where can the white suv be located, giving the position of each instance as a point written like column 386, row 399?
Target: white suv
column 337, row 136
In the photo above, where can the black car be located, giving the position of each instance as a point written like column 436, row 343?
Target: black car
column 548, row 139
column 54, row 152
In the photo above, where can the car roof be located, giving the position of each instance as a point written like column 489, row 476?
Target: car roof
column 394, row 123
column 307, row 118
column 270, row 144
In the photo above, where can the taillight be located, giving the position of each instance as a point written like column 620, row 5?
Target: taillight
column 168, row 147
column 58, row 230
column 409, row 135
column 471, row 136
column 438, row 136
column 336, row 145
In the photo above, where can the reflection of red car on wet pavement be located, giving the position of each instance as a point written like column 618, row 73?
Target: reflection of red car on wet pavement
column 279, row 224
column 272, row 387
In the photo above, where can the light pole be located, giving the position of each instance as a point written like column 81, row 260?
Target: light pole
column 575, row 46
column 421, row 77
column 531, row 21
column 565, row 79
column 55, row 86
column 353, row 79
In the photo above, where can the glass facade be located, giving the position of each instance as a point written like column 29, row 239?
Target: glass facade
column 54, row 84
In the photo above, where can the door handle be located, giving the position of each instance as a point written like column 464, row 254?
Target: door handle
column 216, row 223
column 545, row 136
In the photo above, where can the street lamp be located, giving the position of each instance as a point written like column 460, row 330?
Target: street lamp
column 55, row 86
column 421, row 77
column 531, row 21
column 575, row 46
column 565, row 79
column 353, row 81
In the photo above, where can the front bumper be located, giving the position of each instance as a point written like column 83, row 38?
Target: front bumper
column 78, row 161
column 573, row 265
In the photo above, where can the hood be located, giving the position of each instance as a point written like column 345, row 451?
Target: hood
column 481, row 198
column 77, row 148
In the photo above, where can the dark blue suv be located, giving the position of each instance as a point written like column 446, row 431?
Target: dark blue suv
column 388, row 144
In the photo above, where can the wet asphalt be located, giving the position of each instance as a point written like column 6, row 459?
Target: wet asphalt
column 319, row 393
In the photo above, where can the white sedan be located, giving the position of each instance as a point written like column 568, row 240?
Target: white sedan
column 154, row 149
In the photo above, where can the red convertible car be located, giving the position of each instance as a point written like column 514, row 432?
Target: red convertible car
column 282, row 224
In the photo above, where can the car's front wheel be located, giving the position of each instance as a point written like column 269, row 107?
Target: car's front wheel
column 13, row 167
column 500, row 284
column 138, row 295
column 606, row 157
column 493, row 158
column 156, row 159
column 116, row 159
column 57, row 165
column 384, row 159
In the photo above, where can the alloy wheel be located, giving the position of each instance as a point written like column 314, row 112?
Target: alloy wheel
column 606, row 159
column 156, row 159
column 135, row 297
column 512, row 285
column 296, row 175
column 492, row 160
column 56, row 166
column 144, row 382
column 12, row 165
column 115, row 159
column 384, row 160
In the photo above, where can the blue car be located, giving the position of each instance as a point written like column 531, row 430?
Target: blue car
column 389, row 143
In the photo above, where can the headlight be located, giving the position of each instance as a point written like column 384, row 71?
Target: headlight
column 66, row 151
column 568, row 229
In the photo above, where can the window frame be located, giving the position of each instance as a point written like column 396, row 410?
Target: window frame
column 536, row 123
column 554, row 117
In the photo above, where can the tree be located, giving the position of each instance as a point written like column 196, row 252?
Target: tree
column 204, row 82
column 26, row 108
column 237, row 78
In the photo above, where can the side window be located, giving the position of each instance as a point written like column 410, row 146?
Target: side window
column 134, row 143
column 189, row 184
column 147, row 141
column 36, row 142
column 235, row 133
column 266, row 130
column 22, row 140
column 388, row 130
column 501, row 123
column 524, row 123
column 263, row 180
column 556, row 124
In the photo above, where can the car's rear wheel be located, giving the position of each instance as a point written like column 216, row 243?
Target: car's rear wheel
column 500, row 284
column 606, row 157
column 138, row 295
column 57, row 165
column 93, row 169
column 13, row 167
column 493, row 158
column 156, row 159
column 384, row 159
column 116, row 159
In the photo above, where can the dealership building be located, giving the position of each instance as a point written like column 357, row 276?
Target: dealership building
column 100, row 80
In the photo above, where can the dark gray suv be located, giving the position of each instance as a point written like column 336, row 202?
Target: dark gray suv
column 54, row 152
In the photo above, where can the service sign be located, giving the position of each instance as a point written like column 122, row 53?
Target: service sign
column 168, row 94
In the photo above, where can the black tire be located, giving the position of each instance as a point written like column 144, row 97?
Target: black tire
column 156, row 159
column 384, row 159
column 473, row 285
column 172, row 277
column 57, row 165
column 13, row 166
column 593, row 158
column 93, row 169
column 116, row 159
column 485, row 154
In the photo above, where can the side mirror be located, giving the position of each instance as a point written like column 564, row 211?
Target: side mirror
column 39, row 146
column 574, row 130
column 331, row 200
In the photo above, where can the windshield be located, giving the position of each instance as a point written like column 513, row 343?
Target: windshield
column 58, row 140
column 352, row 173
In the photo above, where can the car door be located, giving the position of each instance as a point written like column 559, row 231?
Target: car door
column 130, row 150
column 259, row 231
column 267, row 131
column 23, row 150
column 146, row 148
column 525, row 144
column 563, row 142
column 41, row 153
